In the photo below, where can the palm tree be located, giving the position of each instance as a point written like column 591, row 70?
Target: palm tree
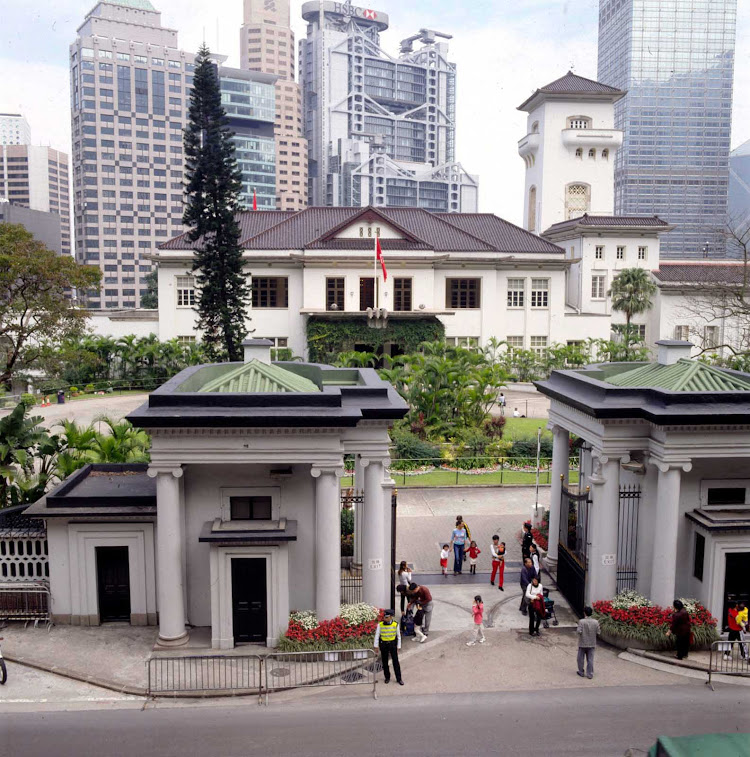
column 19, row 438
column 632, row 290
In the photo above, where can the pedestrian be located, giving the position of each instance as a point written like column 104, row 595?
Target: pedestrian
column 420, row 595
column 388, row 638
column 535, row 600
column 477, row 611
column 474, row 552
column 445, row 553
column 534, row 555
column 418, row 622
column 501, row 401
column 742, row 621
column 527, row 573
column 458, row 542
column 516, row 414
column 735, row 628
column 527, row 541
column 468, row 530
column 680, row 629
column 404, row 579
column 498, row 562
column 588, row 628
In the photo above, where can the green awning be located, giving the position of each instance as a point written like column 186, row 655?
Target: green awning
column 683, row 376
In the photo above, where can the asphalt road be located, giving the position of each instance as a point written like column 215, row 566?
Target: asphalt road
column 597, row 722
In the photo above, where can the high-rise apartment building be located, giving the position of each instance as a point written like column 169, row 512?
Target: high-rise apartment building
column 267, row 45
column 739, row 191
column 675, row 59
column 36, row 177
column 381, row 130
column 14, row 129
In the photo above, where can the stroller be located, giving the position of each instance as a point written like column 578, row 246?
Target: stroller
column 549, row 609
column 407, row 623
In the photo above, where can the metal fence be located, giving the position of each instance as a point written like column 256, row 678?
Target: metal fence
column 261, row 674
column 351, row 590
column 728, row 658
column 25, row 601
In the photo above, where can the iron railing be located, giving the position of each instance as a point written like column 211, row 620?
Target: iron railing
column 351, row 590
column 210, row 674
column 627, row 537
column 728, row 658
column 25, row 601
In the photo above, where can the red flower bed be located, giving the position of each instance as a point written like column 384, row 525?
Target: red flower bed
column 540, row 539
column 332, row 631
column 651, row 616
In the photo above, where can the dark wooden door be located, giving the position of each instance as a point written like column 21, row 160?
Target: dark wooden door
column 113, row 576
column 249, row 599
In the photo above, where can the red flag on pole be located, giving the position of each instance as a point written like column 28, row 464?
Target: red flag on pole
column 255, row 201
column 379, row 258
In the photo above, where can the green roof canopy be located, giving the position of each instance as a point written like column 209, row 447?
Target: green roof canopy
column 683, row 376
column 256, row 377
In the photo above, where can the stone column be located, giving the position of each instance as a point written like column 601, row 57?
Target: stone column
column 559, row 478
column 359, row 485
column 601, row 581
column 374, row 557
column 327, row 541
column 666, row 527
column 170, row 547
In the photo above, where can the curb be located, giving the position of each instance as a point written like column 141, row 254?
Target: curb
column 668, row 660
column 73, row 675
column 637, row 657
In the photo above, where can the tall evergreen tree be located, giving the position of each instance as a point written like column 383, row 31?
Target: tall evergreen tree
column 213, row 189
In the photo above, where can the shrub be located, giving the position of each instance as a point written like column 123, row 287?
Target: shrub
column 28, row 400
column 74, row 390
column 89, row 389
column 493, row 427
column 347, row 545
column 347, row 522
column 411, row 452
column 527, row 447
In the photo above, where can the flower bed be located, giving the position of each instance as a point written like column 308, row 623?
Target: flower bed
column 633, row 620
column 354, row 628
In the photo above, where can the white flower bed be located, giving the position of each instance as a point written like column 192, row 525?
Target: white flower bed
column 690, row 604
column 356, row 615
column 306, row 618
column 630, row 598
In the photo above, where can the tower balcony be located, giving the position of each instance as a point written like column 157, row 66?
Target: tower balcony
column 600, row 139
column 529, row 145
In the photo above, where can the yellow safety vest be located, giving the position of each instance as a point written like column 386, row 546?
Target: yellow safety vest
column 388, row 631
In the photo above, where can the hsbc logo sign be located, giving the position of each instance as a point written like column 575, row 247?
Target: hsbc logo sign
column 347, row 9
column 370, row 15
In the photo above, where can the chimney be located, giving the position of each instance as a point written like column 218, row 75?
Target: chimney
column 672, row 350
column 258, row 349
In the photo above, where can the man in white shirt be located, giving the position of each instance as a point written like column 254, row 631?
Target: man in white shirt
column 388, row 639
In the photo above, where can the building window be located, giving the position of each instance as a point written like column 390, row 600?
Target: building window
column 724, row 496
column 539, row 293
column 605, row 154
column 335, row 293
column 700, row 552
column 271, row 292
column 462, row 293
column 538, row 344
column 185, row 291
column 577, row 200
column 516, row 291
column 642, row 253
column 402, row 294
column 640, row 331
column 532, row 209
column 366, row 292
column 711, row 337
column 621, row 253
column 514, row 342
column 682, row 333
column 598, row 287
column 186, row 340
column 579, row 122
column 369, row 231
column 250, row 508
column 599, row 252
column 468, row 342
column 579, row 152
column 592, row 154
column 535, row 127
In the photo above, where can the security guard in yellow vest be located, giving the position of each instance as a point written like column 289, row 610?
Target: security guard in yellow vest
column 388, row 638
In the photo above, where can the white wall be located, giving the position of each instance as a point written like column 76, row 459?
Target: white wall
column 102, row 323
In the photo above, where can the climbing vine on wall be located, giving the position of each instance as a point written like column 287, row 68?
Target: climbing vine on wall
column 326, row 339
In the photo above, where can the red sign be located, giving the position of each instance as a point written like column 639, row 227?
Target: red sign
column 370, row 15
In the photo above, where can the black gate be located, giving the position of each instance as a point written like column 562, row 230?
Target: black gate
column 573, row 549
column 627, row 537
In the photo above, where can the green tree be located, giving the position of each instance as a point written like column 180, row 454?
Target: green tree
column 35, row 304
column 213, row 189
column 151, row 298
column 20, row 437
column 632, row 290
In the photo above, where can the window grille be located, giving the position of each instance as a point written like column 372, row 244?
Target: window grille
column 576, row 200
column 462, row 293
column 516, row 292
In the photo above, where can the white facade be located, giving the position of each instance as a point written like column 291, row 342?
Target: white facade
column 14, row 129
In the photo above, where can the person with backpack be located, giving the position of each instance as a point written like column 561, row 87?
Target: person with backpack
column 388, row 640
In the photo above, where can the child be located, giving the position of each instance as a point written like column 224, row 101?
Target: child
column 477, row 610
column 473, row 553
column 418, row 620
column 444, row 555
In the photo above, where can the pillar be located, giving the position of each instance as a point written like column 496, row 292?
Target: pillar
column 666, row 527
column 327, row 541
column 374, row 557
column 359, row 485
column 601, row 581
column 170, row 547
column 559, row 478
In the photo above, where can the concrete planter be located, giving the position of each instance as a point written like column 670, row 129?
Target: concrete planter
column 622, row 643
column 330, row 656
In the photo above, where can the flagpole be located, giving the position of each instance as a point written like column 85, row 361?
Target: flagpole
column 375, row 271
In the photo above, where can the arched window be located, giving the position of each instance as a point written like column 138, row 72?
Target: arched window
column 605, row 154
column 535, row 127
column 592, row 154
column 579, row 153
column 577, row 200
column 532, row 209
column 579, row 122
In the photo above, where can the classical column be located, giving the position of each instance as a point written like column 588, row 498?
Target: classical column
column 603, row 529
column 327, row 541
column 559, row 478
column 666, row 527
column 169, row 531
column 374, row 557
column 359, row 485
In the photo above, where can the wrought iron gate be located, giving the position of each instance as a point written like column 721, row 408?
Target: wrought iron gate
column 627, row 537
column 573, row 549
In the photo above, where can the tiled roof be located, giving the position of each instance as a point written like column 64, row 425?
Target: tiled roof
column 610, row 221
column 683, row 376
column 573, row 84
column 713, row 272
column 256, row 377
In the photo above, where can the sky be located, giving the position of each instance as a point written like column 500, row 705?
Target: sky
column 504, row 50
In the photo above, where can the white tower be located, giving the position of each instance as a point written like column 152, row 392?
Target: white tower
column 569, row 150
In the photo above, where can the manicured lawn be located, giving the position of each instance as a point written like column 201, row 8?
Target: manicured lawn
column 449, row 478
column 524, row 428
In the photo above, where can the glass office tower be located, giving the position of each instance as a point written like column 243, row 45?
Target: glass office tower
column 675, row 58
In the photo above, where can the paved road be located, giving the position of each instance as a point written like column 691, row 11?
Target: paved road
column 578, row 722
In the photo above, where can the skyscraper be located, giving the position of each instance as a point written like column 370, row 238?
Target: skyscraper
column 675, row 58
column 14, row 129
column 267, row 45
column 381, row 130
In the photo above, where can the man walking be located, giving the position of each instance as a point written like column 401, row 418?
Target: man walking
column 588, row 628
column 421, row 595
column 527, row 573
column 388, row 638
